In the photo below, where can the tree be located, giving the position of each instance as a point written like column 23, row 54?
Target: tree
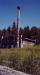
column 14, row 28
column 8, row 30
column 34, row 32
column 0, row 32
column 14, row 25
column 26, row 32
column 4, row 32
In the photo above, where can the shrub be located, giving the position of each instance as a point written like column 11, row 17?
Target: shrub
column 36, row 68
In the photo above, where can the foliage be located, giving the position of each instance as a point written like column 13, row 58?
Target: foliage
column 36, row 67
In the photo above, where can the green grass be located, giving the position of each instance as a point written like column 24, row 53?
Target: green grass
column 22, row 59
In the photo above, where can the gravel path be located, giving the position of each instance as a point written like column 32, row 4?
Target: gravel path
column 8, row 71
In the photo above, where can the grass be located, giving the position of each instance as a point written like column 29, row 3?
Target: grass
column 23, row 59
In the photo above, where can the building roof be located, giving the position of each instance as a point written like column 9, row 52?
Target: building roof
column 29, row 40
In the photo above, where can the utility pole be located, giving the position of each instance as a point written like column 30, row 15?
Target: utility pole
column 18, row 24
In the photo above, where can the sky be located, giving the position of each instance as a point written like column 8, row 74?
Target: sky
column 30, row 13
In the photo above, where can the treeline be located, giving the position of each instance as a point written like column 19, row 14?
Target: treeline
column 26, row 32
column 9, row 35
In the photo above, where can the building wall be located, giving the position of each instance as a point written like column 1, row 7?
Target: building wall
column 28, row 44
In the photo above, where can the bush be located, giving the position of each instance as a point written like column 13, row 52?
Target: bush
column 36, row 68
